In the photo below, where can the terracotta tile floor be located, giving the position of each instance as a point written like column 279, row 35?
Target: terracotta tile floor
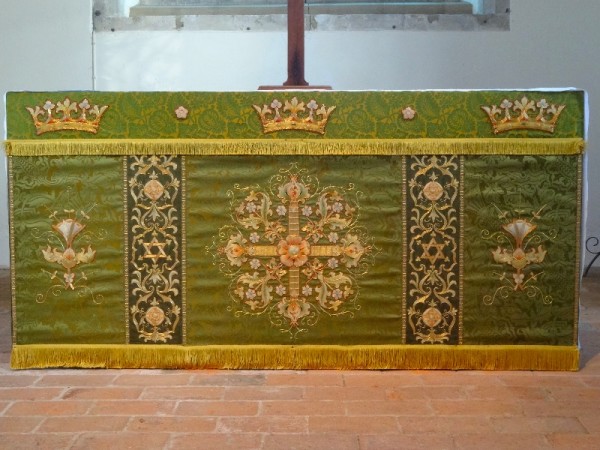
column 156, row 409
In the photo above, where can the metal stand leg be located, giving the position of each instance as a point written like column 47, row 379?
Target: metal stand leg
column 589, row 245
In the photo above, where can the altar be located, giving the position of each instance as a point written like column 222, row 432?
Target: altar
column 296, row 229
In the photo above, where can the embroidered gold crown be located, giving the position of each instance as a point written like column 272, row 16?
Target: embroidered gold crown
column 67, row 115
column 503, row 119
column 273, row 117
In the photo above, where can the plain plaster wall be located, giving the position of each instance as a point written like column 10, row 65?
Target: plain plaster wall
column 552, row 43
column 45, row 45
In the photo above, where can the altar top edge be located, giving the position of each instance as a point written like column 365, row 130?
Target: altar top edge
column 438, row 114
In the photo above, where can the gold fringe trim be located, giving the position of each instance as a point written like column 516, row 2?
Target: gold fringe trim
column 510, row 146
column 475, row 357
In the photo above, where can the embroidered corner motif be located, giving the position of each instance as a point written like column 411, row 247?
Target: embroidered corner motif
column 67, row 115
column 61, row 249
column 433, row 249
column 294, row 251
column 155, row 297
column 503, row 120
column 519, row 245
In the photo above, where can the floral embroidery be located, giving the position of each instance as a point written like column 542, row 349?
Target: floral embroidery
column 181, row 113
column 517, row 248
column 433, row 246
column 295, row 254
column 62, row 250
column 155, row 256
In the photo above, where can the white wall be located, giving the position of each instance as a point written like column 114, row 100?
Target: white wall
column 44, row 45
column 552, row 43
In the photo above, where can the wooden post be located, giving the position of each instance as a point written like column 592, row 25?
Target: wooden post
column 295, row 25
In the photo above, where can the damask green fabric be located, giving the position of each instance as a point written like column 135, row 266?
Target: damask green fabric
column 374, row 183
column 52, row 195
column 542, row 192
column 358, row 115
column 232, row 255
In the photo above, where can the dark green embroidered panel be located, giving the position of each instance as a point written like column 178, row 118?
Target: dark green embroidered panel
column 155, row 270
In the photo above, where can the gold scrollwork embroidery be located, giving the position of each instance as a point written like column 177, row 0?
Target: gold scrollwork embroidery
column 294, row 251
column 433, row 248
column 154, row 263
column 517, row 248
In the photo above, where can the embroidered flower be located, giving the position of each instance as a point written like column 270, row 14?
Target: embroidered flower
column 306, row 290
column 280, row 290
column 250, row 293
column 333, row 237
column 307, row 210
column 254, row 238
column 84, row 104
column 332, row 263
column 281, row 210
column 337, row 294
column 181, row 113
column 255, row 264
column 312, row 107
column 251, row 207
column 69, row 278
column 293, row 251
column 519, row 278
column 337, row 207
column 408, row 113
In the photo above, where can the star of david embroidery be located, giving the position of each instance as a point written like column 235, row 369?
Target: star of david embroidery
column 436, row 254
column 295, row 251
column 149, row 246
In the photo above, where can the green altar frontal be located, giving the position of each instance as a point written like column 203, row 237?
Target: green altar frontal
column 300, row 230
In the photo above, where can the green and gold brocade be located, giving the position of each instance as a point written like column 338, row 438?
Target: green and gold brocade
column 410, row 234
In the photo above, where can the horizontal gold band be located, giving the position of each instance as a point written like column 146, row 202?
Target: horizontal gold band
column 505, row 146
column 454, row 357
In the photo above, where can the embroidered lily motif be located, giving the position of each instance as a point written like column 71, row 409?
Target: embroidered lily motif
column 68, row 229
column 519, row 258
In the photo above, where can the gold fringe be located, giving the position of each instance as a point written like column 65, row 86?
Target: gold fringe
column 509, row 146
column 472, row 357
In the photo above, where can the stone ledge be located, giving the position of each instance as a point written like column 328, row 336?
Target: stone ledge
column 457, row 7
column 318, row 22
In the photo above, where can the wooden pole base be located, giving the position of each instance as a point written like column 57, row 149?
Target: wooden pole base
column 295, row 80
column 295, row 88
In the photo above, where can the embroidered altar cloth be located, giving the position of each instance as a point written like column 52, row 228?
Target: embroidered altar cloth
column 296, row 229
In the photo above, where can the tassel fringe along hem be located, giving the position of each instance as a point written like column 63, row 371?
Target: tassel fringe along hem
column 377, row 357
column 208, row 147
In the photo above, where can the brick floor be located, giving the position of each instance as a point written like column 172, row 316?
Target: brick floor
column 354, row 410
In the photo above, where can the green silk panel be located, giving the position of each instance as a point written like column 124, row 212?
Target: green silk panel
column 376, row 315
column 73, row 191
column 543, row 191
column 230, row 115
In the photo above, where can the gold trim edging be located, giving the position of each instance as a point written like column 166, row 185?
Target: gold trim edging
column 578, row 243
column 11, row 231
column 474, row 357
column 479, row 146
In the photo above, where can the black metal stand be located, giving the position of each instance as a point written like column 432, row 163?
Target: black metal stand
column 590, row 243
